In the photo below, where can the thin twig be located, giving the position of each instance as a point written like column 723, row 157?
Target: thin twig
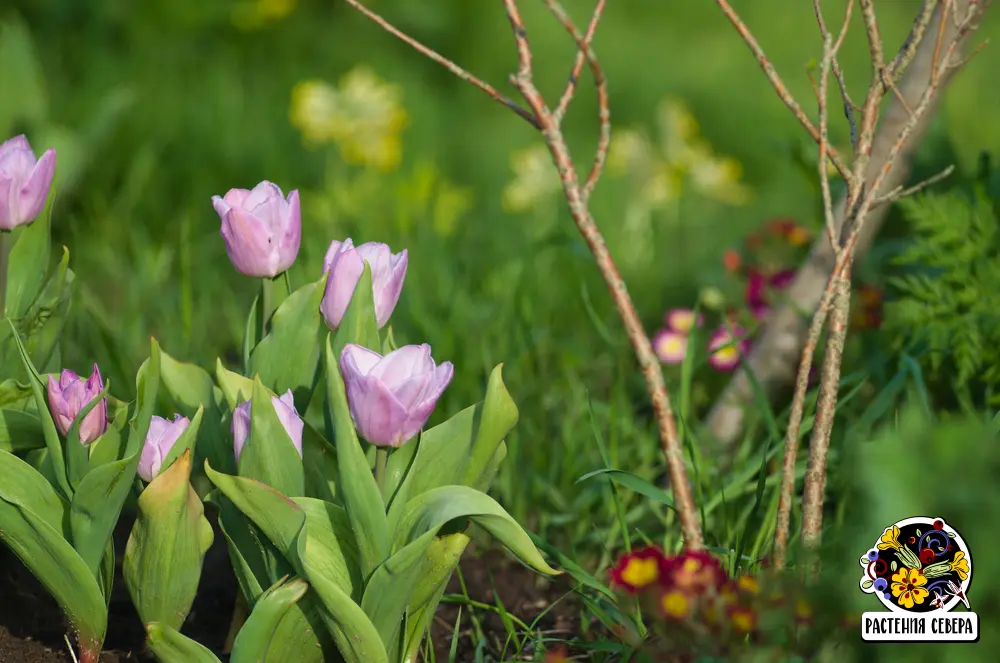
column 838, row 74
column 899, row 192
column 463, row 74
column 779, row 85
column 581, row 59
column 600, row 82
column 913, row 39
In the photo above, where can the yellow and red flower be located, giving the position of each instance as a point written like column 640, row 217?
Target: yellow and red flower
column 640, row 570
column 695, row 571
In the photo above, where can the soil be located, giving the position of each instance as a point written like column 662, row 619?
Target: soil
column 32, row 627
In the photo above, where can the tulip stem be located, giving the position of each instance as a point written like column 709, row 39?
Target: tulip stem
column 266, row 301
column 381, row 459
column 4, row 260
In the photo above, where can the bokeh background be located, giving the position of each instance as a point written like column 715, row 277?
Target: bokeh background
column 156, row 106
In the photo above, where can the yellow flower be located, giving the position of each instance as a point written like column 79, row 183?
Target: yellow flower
column 748, row 584
column 890, row 539
column 363, row 116
column 660, row 171
column 960, row 565
column 641, row 572
column 313, row 105
column 742, row 619
column 535, row 178
column 675, row 604
column 908, row 587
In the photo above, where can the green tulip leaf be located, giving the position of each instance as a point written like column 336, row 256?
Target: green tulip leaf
column 235, row 388
column 246, row 555
column 360, row 493
column 49, row 430
column 254, row 639
column 289, row 356
column 277, row 516
column 28, row 264
column 112, row 445
column 283, row 522
column 20, row 431
column 390, row 588
column 462, row 450
column 191, row 387
column 170, row 646
column 165, row 550
column 251, row 332
column 441, row 560
column 319, row 462
column 33, row 523
column 302, row 635
column 96, row 506
column 389, row 343
column 330, row 545
column 269, row 456
column 42, row 323
column 147, row 388
column 359, row 324
column 398, row 464
column 430, row 511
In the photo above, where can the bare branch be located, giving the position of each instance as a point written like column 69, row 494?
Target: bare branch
column 779, row 85
column 603, row 109
column 464, row 74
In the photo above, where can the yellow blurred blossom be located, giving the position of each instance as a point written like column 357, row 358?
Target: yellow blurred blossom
column 255, row 14
column 682, row 157
column 535, row 179
column 363, row 116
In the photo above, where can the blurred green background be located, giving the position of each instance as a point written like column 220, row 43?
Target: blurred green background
column 156, row 106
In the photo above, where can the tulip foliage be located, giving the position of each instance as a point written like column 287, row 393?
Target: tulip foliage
column 343, row 514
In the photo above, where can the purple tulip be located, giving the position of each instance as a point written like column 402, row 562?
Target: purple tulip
column 284, row 407
column 345, row 263
column 392, row 397
column 70, row 395
column 160, row 439
column 261, row 228
column 24, row 182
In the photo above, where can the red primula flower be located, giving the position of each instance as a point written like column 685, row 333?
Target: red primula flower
column 639, row 570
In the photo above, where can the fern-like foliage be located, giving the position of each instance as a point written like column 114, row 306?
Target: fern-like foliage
column 949, row 293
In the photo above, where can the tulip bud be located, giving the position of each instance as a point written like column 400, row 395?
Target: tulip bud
column 345, row 263
column 70, row 395
column 261, row 228
column 24, row 182
column 160, row 439
column 284, row 407
column 392, row 397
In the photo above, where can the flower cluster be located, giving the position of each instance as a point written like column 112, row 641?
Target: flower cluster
column 363, row 116
column 697, row 608
column 726, row 346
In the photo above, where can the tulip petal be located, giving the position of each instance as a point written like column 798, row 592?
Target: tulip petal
column 240, row 427
column 35, row 191
column 376, row 412
column 345, row 272
column 358, row 361
column 247, row 243
column 403, row 363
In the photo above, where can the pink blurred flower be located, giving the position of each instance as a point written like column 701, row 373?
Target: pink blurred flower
column 782, row 279
column 756, row 295
column 670, row 346
column 24, row 182
column 682, row 320
column 725, row 349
